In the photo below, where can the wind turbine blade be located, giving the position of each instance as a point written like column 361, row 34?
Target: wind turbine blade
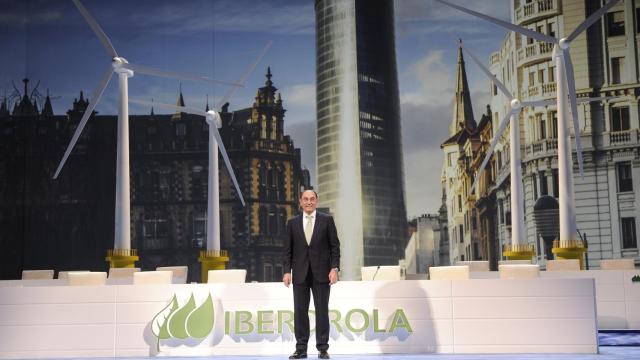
column 244, row 76
column 174, row 75
column 509, row 26
column 571, row 87
column 97, row 93
column 492, row 77
column 494, row 142
column 595, row 99
column 548, row 102
column 591, row 20
column 225, row 156
column 185, row 109
column 104, row 39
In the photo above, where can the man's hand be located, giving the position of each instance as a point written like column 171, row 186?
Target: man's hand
column 286, row 279
column 333, row 276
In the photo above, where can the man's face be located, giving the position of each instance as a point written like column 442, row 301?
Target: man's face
column 308, row 201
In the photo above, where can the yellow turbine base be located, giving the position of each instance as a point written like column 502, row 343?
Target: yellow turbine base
column 574, row 252
column 518, row 255
column 212, row 260
column 122, row 258
column 518, row 251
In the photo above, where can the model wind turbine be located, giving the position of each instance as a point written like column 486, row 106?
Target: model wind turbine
column 565, row 87
column 213, row 258
column 517, row 196
column 121, row 256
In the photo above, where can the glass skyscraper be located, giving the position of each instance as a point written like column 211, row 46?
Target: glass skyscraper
column 359, row 150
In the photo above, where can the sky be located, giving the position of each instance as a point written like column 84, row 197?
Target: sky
column 55, row 47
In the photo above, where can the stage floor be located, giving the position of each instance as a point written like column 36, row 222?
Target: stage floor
column 606, row 353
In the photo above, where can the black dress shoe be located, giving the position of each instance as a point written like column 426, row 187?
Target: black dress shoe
column 324, row 355
column 299, row 355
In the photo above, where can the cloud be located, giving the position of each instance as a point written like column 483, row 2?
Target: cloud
column 300, row 95
column 411, row 10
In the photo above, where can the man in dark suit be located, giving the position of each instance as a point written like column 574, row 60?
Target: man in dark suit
column 312, row 251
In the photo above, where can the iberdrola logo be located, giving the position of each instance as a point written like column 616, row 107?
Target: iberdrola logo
column 175, row 322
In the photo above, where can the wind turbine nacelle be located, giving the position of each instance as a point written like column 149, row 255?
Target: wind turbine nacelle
column 213, row 118
column 516, row 104
column 118, row 64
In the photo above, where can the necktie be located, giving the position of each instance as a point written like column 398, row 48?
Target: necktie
column 308, row 229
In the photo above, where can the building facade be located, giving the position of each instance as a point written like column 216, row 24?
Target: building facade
column 605, row 62
column 67, row 224
column 359, row 151
column 460, row 151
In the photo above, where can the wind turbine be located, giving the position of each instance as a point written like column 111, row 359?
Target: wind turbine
column 565, row 88
column 214, row 121
column 121, row 254
column 515, row 165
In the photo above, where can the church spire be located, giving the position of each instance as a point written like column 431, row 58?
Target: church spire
column 179, row 102
column 47, row 109
column 462, row 110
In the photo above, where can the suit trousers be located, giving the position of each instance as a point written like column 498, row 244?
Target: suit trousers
column 301, row 312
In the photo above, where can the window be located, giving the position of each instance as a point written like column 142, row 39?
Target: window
column 629, row 240
column 541, row 76
column 461, row 233
column 542, row 127
column 625, row 182
column 181, row 129
column 617, row 70
column 535, row 186
column 550, row 30
column 500, row 212
column 268, row 273
column 532, row 78
column 459, row 203
column 615, row 23
column 199, row 230
column 552, row 74
column 554, row 124
column 554, row 176
column 155, row 232
column 544, row 188
column 620, row 119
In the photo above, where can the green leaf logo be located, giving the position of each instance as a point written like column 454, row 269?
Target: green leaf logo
column 175, row 322
column 159, row 322
column 200, row 321
column 178, row 320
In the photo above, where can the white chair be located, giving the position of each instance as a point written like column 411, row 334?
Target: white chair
column 179, row 273
column 37, row 274
column 563, row 265
column 152, row 277
column 513, row 262
column 476, row 265
column 456, row 272
column 122, row 272
column 617, row 264
column 519, row 271
column 227, row 276
column 65, row 274
column 87, row 278
column 376, row 273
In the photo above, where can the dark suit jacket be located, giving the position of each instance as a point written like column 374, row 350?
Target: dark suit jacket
column 322, row 254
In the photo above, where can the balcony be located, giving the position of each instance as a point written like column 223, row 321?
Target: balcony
column 535, row 53
column 535, row 10
column 546, row 91
column 541, row 148
column 620, row 138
